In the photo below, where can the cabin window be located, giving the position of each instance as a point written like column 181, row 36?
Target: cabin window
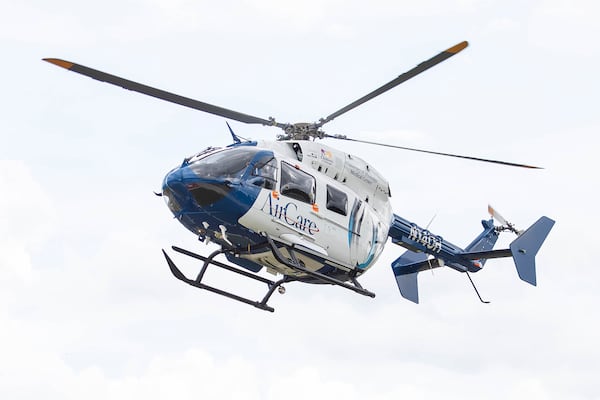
column 337, row 200
column 264, row 173
column 297, row 184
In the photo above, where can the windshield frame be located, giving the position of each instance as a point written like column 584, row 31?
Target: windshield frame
column 228, row 164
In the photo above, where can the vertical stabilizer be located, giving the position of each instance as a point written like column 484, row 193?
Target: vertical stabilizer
column 405, row 268
column 525, row 247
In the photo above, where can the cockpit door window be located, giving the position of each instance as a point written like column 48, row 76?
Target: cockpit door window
column 264, row 173
column 297, row 184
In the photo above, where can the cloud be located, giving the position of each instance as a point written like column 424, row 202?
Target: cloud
column 183, row 376
column 27, row 219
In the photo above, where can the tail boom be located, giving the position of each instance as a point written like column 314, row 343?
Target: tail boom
column 425, row 253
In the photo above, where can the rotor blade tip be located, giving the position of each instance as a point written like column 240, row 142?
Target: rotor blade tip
column 59, row 62
column 455, row 49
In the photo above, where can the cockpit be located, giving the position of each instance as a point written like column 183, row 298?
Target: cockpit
column 224, row 164
column 257, row 166
column 213, row 171
column 254, row 166
column 211, row 175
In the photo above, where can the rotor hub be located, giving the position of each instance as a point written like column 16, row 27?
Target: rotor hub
column 301, row 131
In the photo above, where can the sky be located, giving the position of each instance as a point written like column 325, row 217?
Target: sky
column 88, row 307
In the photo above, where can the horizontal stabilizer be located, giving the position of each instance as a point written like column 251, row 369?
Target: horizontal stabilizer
column 525, row 247
column 478, row 255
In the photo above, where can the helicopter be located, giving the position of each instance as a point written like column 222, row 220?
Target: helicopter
column 307, row 212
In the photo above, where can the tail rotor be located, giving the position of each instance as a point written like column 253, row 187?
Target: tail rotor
column 505, row 225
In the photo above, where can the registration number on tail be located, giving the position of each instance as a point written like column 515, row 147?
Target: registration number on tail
column 427, row 239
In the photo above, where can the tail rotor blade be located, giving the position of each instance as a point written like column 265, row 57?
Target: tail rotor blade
column 509, row 226
column 496, row 215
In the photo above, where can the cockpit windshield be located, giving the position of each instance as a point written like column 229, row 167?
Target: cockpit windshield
column 230, row 163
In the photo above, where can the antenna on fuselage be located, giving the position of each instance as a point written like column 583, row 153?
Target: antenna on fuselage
column 235, row 137
column 474, row 287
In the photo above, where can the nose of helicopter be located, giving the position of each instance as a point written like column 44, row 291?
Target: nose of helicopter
column 173, row 190
column 184, row 189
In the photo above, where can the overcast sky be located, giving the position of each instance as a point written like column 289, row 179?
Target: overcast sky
column 88, row 307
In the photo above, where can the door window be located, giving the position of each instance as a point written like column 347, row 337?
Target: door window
column 297, row 184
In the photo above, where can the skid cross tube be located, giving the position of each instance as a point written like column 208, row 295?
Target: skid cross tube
column 272, row 285
column 294, row 264
column 220, row 264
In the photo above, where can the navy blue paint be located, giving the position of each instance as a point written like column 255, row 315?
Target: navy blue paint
column 227, row 211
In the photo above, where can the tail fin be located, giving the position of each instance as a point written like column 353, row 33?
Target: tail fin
column 525, row 247
column 405, row 268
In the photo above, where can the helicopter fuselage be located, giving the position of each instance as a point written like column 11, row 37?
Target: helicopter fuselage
column 331, row 207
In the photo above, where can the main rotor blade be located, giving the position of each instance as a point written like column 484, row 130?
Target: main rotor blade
column 161, row 94
column 444, row 55
column 342, row 137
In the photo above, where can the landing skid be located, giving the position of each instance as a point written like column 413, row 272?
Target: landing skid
column 262, row 304
column 292, row 262
column 295, row 264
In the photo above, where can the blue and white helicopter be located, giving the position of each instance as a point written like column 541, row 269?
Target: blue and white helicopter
column 307, row 212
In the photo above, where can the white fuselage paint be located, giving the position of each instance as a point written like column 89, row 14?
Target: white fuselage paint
column 350, row 241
